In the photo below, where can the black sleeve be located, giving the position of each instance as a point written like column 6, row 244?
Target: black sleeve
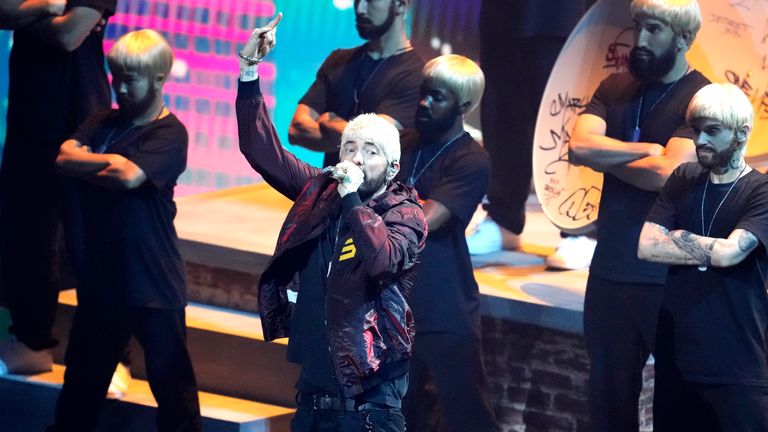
column 317, row 95
column 664, row 211
column 162, row 154
column 86, row 130
column 597, row 105
column 107, row 7
column 463, row 185
column 755, row 218
column 402, row 101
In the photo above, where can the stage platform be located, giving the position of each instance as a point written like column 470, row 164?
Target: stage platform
column 236, row 229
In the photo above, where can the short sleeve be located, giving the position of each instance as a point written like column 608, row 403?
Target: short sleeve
column 597, row 105
column 162, row 154
column 463, row 184
column 107, row 6
column 755, row 218
column 664, row 210
column 317, row 95
column 401, row 103
column 87, row 129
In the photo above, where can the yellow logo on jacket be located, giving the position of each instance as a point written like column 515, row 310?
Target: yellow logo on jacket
column 348, row 251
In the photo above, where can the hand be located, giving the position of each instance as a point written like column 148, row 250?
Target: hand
column 55, row 7
column 349, row 176
column 261, row 41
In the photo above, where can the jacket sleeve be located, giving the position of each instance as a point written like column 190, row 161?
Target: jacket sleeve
column 261, row 146
column 388, row 244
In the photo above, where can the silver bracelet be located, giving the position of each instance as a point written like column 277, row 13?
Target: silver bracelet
column 251, row 60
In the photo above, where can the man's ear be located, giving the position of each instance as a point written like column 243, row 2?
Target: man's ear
column 684, row 41
column 159, row 81
column 401, row 6
column 464, row 108
column 742, row 133
column 392, row 170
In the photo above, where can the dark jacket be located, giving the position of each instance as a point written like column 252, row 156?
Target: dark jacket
column 369, row 323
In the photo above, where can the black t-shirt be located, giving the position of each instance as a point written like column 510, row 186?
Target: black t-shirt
column 445, row 296
column 623, row 206
column 386, row 86
column 130, row 245
column 712, row 325
column 51, row 92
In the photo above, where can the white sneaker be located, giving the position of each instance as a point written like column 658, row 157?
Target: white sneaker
column 18, row 359
column 121, row 379
column 572, row 253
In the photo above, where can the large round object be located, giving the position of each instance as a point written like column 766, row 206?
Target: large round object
column 735, row 34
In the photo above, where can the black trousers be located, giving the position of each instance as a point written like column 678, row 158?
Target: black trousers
column 446, row 390
column 620, row 322
column 681, row 405
column 374, row 420
column 516, row 73
column 29, row 239
column 96, row 344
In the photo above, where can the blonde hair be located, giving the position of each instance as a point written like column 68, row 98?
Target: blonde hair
column 144, row 51
column 373, row 128
column 684, row 16
column 725, row 103
column 460, row 75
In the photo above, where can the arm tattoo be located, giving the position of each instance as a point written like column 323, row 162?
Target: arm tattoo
column 747, row 241
column 689, row 242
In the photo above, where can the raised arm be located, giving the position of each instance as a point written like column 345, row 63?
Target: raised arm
column 589, row 146
column 18, row 13
column 680, row 247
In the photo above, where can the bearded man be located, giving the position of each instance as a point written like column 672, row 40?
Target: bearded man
column 634, row 132
column 381, row 76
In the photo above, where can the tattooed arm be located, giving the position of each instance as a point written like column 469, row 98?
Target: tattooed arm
column 681, row 247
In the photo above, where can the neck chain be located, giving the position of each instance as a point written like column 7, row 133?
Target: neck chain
column 702, row 267
column 415, row 177
column 109, row 141
column 636, row 130
column 357, row 93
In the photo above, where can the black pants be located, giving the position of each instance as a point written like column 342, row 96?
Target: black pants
column 446, row 390
column 516, row 73
column 96, row 343
column 29, row 234
column 620, row 328
column 681, row 405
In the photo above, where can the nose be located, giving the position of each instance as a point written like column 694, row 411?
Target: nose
column 361, row 7
column 121, row 88
column 426, row 101
column 357, row 158
column 641, row 38
column 701, row 138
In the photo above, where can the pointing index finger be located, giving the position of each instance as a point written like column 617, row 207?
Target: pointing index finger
column 275, row 21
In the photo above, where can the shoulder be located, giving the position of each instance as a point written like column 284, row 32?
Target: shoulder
column 468, row 151
column 618, row 86
column 688, row 172
column 343, row 56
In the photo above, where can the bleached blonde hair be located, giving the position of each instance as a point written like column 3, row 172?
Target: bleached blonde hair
column 684, row 16
column 723, row 102
column 375, row 129
column 460, row 75
column 144, row 51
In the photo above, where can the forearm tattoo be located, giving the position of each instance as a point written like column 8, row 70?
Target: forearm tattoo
column 698, row 247
column 747, row 241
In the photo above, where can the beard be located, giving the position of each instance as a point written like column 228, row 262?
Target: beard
column 371, row 185
column 368, row 30
column 432, row 127
column 720, row 161
column 648, row 67
column 131, row 109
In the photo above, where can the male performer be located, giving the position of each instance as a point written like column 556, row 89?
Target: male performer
column 133, row 282
column 710, row 224
column 56, row 80
column 18, row 13
column 634, row 132
column 347, row 249
column 380, row 76
column 450, row 172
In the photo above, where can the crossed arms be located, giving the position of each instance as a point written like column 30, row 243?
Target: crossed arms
column 108, row 170
column 643, row 165
column 47, row 18
column 680, row 247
